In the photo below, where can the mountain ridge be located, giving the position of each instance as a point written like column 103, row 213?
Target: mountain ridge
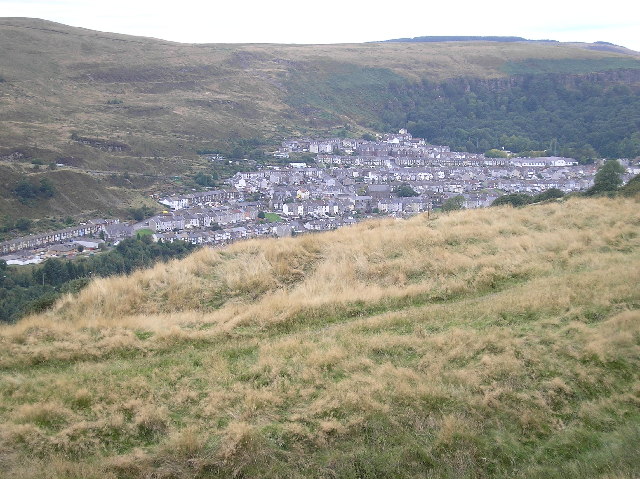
column 463, row 38
column 178, row 80
column 505, row 39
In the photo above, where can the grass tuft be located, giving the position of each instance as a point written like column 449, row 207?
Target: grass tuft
column 494, row 343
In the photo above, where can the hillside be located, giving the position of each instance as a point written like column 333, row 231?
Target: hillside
column 114, row 103
column 489, row 343
column 169, row 98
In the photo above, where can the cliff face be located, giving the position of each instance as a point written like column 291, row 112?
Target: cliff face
column 630, row 77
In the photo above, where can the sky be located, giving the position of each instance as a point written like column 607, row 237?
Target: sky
column 340, row 21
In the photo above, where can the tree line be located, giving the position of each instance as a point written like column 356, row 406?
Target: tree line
column 583, row 119
column 25, row 290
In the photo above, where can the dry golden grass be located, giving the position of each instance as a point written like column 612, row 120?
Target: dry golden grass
column 259, row 282
column 500, row 342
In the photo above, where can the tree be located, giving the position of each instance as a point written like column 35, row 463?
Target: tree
column 550, row 194
column 632, row 188
column 23, row 224
column 608, row 178
column 25, row 191
column 514, row 199
column 630, row 147
column 261, row 215
column 404, row 191
column 53, row 272
column 3, row 269
column 7, row 224
column 46, row 190
column 454, row 203
column 494, row 153
column 204, row 179
column 141, row 213
column 137, row 214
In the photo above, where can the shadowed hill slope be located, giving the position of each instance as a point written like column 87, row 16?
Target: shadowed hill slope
column 494, row 343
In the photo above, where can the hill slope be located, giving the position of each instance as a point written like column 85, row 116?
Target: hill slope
column 106, row 102
column 493, row 343
column 167, row 98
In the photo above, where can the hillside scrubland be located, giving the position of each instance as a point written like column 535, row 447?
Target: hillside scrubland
column 490, row 343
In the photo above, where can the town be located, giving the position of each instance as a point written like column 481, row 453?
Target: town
column 350, row 180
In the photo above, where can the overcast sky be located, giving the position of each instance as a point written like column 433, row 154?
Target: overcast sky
column 338, row 21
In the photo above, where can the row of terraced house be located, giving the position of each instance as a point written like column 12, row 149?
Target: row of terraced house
column 39, row 240
column 200, row 198
column 192, row 218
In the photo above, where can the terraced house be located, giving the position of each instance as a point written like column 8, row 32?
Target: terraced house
column 35, row 241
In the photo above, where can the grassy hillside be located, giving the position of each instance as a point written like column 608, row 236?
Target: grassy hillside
column 163, row 98
column 495, row 343
column 120, row 103
column 76, row 193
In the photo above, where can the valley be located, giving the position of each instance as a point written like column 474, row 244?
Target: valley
column 130, row 105
column 278, row 260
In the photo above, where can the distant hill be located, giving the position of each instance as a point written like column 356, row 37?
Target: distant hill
column 604, row 46
column 463, row 39
column 490, row 343
column 109, row 102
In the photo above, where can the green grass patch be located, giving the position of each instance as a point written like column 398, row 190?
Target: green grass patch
column 272, row 217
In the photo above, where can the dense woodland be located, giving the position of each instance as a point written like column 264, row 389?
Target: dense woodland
column 25, row 290
column 575, row 116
